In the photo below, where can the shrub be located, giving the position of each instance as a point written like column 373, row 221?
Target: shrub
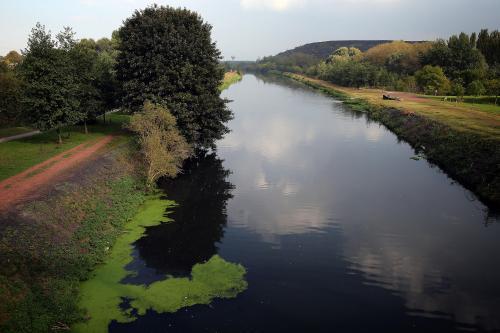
column 493, row 87
column 458, row 90
column 431, row 80
column 476, row 88
column 162, row 146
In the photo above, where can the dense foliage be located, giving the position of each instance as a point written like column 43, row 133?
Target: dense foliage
column 10, row 93
column 167, row 56
column 432, row 80
column 57, row 81
column 459, row 58
column 489, row 45
column 161, row 54
column 50, row 86
column 302, row 57
column 464, row 64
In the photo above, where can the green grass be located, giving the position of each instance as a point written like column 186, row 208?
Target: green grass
column 10, row 131
column 19, row 155
column 46, row 259
column 84, row 233
column 482, row 103
column 466, row 99
column 479, row 119
column 229, row 79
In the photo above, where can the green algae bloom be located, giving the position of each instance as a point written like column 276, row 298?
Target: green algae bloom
column 101, row 296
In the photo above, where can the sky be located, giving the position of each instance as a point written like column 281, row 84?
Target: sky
column 249, row 29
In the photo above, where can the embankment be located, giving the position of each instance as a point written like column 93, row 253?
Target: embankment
column 230, row 78
column 48, row 246
column 470, row 158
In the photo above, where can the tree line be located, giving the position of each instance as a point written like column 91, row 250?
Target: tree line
column 161, row 55
column 463, row 64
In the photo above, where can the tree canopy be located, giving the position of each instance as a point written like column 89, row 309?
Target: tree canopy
column 432, row 80
column 167, row 56
column 489, row 45
column 50, row 89
column 397, row 56
column 459, row 58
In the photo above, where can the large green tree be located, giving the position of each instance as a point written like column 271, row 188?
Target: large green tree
column 167, row 56
column 86, row 72
column 50, row 92
column 103, row 53
column 459, row 58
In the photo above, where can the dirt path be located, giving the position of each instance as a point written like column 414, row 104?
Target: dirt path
column 24, row 185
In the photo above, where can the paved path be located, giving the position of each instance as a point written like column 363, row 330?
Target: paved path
column 19, row 136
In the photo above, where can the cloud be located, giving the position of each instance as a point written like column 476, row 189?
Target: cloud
column 282, row 5
column 275, row 5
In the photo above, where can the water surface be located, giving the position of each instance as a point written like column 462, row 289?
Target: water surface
column 339, row 229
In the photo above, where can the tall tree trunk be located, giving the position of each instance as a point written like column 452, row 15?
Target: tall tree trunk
column 85, row 125
column 59, row 135
column 104, row 117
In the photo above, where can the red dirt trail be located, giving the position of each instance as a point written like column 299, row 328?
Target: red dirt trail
column 17, row 188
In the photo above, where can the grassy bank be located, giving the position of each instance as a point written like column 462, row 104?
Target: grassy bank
column 480, row 119
column 19, row 155
column 56, row 242
column 467, row 100
column 230, row 78
column 464, row 143
column 64, row 255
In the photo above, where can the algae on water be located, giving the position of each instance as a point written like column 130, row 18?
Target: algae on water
column 102, row 295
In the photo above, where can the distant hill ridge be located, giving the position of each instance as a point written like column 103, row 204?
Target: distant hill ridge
column 323, row 49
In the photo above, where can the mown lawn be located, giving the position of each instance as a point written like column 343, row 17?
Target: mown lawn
column 19, row 155
column 482, row 103
column 482, row 119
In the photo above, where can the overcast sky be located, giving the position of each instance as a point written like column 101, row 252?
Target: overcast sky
column 248, row 29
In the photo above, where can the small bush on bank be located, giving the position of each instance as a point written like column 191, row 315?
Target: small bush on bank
column 163, row 148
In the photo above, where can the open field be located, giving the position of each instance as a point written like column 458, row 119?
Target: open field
column 468, row 99
column 482, row 103
column 479, row 119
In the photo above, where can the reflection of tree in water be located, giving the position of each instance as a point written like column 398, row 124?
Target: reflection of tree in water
column 201, row 192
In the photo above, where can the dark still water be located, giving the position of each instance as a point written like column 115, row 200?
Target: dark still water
column 339, row 230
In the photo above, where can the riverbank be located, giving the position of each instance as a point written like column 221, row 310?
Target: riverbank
column 230, row 78
column 48, row 246
column 465, row 144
